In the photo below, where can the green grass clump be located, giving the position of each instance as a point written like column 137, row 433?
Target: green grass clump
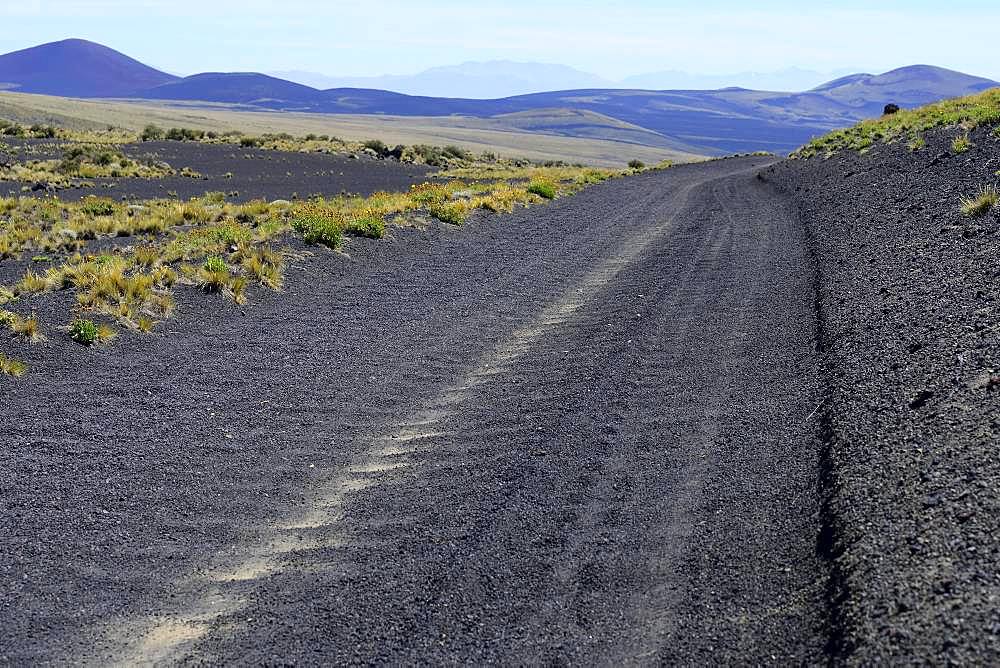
column 83, row 331
column 216, row 264
column 12, row 367
column 968, row 112
column 370, row 225
column 543, row 188
column 214, row 275
column 453, row 213
column 981, row 204
column 318, row 227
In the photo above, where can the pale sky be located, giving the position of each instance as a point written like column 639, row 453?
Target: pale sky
column 611, row 39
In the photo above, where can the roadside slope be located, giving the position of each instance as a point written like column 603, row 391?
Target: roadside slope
column 581, row 433
column 909, row 309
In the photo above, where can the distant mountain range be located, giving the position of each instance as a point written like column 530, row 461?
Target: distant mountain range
column 504, row 78
column 710, row 122
column 489, row 80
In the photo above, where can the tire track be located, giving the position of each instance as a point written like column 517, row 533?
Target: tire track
column 513, row 551
column 221, row 594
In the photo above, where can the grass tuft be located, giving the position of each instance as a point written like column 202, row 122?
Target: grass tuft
column 961, row 144
column 981, row 204
column 12, row 367
column 105, row 333
column 264, row 264
column 27, row 328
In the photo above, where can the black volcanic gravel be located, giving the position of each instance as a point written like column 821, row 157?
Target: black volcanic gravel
column 581, row 433
column 242, row 173
column 910, row 318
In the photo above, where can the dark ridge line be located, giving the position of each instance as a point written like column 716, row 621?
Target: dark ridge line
column 829, row 537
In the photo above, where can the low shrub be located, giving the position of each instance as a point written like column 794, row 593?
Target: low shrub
column 636, row 164
column 185, row 134
column 42, row 131
column 152, row 133
column 83, row 331
column 429, row 155
column 456, row 152
column 377, row 145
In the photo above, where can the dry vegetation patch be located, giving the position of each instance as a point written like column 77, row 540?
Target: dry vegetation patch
column 910, row 125
column 123, row 263
column 84, row 161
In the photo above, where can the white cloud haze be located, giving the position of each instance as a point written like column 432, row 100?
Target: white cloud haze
column 610, row 39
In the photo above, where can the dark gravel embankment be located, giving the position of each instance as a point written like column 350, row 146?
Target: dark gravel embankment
column 582, row 433
column 908, row 296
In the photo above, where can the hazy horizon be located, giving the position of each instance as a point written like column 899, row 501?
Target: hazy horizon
column 636, row 37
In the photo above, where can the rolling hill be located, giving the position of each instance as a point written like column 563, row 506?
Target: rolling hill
column 709, row 122
column 234, row 88
column 76, row 68
column 912, row 86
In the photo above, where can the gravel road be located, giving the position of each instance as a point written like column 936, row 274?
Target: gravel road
column 583, row 433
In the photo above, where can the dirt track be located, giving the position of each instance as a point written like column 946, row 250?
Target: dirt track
column 585, row 433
